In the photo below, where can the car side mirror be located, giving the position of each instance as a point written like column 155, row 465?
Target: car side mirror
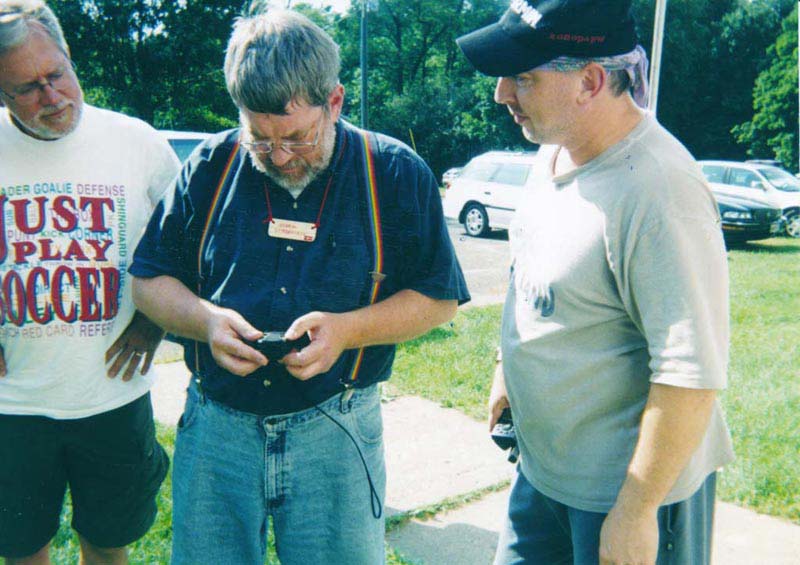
column 758, row 184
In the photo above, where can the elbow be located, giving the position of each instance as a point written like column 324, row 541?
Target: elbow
column 136, row 291
column 447, row 311
column 141, row 289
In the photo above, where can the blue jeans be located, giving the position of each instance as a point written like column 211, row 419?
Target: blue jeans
column 540, row 531
column 233, row 471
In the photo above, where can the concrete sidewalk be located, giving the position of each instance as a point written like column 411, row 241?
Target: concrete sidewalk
column 435, row 453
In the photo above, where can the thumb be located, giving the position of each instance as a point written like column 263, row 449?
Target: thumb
column 245, row 329
column 302, row 325
column 496, row 411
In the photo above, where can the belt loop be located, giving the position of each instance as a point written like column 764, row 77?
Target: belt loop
column 346, row 399
column 197, row 383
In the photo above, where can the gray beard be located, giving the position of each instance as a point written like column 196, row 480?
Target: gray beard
column 327, row 143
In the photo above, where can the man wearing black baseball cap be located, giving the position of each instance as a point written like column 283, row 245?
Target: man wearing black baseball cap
column 615, row 329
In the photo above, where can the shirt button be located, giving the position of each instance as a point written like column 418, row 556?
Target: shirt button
column 267, row 383
column 283, row 289
column 289, row 248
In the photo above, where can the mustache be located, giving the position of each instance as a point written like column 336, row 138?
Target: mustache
column 53, row 108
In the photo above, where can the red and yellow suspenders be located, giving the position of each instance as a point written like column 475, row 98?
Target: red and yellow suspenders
column 373, row 213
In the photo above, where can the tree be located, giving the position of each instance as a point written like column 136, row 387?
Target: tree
column 421, row 88
column 773, row 129
column 159, row 60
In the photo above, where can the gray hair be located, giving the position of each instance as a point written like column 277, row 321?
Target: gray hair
column 619, row 81
column 17, row 18
column 278, row 57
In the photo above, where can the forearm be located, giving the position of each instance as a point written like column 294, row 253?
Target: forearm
column 400, row 317
column 673, row 425
column 171, row 305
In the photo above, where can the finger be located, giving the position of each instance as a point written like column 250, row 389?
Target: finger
column 115, row 348
column 133, row 364
column 121, row 360
column 496, row 410
column 148, row 360
column 237, row 365
column 230, row 344
column 244, row 329
column 302, row 325
column 243, row 351
column 308, row 371
column 3, row 369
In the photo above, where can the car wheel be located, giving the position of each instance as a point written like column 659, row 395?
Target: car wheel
column 476, row 222
column 793, row 225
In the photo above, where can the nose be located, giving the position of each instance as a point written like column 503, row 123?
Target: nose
column 504, row 92
column 48, row 95
column 279, row 157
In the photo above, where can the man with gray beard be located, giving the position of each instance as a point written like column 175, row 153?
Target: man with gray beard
column 77, row 187
column 295, row 223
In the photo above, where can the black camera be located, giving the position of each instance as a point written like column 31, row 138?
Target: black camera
column 504, row 436
column 274, row 345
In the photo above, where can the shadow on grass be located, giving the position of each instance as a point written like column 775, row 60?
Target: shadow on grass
column 435, row 335
column 754, row 247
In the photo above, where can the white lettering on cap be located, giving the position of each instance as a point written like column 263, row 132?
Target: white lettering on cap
column 528, row 13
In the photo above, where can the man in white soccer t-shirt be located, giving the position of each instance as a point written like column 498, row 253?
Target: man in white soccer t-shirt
column 77, row 185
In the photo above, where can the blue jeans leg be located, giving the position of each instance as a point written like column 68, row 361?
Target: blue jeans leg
column 219, row 514
column 234, row 470
column 539, row 530
column 326, row 515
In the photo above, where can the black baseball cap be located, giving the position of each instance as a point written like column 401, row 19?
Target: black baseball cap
column 534, row 32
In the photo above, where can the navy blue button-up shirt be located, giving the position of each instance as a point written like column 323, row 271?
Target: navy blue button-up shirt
column 272, row 281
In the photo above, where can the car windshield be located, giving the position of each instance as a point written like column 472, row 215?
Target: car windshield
column 780, row 179
column 479, row 170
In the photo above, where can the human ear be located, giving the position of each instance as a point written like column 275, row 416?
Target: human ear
column 593, row 79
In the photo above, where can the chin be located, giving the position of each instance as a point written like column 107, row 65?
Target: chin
column 41, row 130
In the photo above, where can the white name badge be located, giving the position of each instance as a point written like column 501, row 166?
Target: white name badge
column 287, row 229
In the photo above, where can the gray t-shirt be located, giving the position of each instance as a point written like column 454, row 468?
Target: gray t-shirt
column 619, row 280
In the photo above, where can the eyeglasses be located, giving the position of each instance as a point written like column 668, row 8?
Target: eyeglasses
column 29, row 93
column 291, row 147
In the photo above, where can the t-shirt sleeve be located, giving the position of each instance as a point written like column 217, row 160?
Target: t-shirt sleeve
column 166, row 246
column 164, row 167
column 429, row 264
column 678, row 286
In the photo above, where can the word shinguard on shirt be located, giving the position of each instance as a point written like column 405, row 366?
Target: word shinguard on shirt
column 54, row 260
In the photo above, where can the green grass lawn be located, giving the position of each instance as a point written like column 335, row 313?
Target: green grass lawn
column 453, row 365
column 762, row 403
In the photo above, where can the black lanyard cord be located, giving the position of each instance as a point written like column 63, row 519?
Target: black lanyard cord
column 375, row 501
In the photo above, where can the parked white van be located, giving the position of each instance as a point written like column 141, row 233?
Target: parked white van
column 761, row 182
column 485, row 194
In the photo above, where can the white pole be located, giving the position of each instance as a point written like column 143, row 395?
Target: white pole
column 655, row 54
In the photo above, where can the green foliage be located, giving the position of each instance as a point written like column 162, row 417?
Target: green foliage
column 713, row 51
column 773, row 129
column 161, row 60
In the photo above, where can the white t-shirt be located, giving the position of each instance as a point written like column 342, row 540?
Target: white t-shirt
column 619, row 280
column 71, row 213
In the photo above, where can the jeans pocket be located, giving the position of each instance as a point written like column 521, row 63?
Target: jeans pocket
column 189, row 411
column 368, row 423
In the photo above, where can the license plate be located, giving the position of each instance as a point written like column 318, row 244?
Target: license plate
column 774, row 227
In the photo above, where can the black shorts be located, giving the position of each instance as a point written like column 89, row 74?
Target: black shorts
column 112, row 462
